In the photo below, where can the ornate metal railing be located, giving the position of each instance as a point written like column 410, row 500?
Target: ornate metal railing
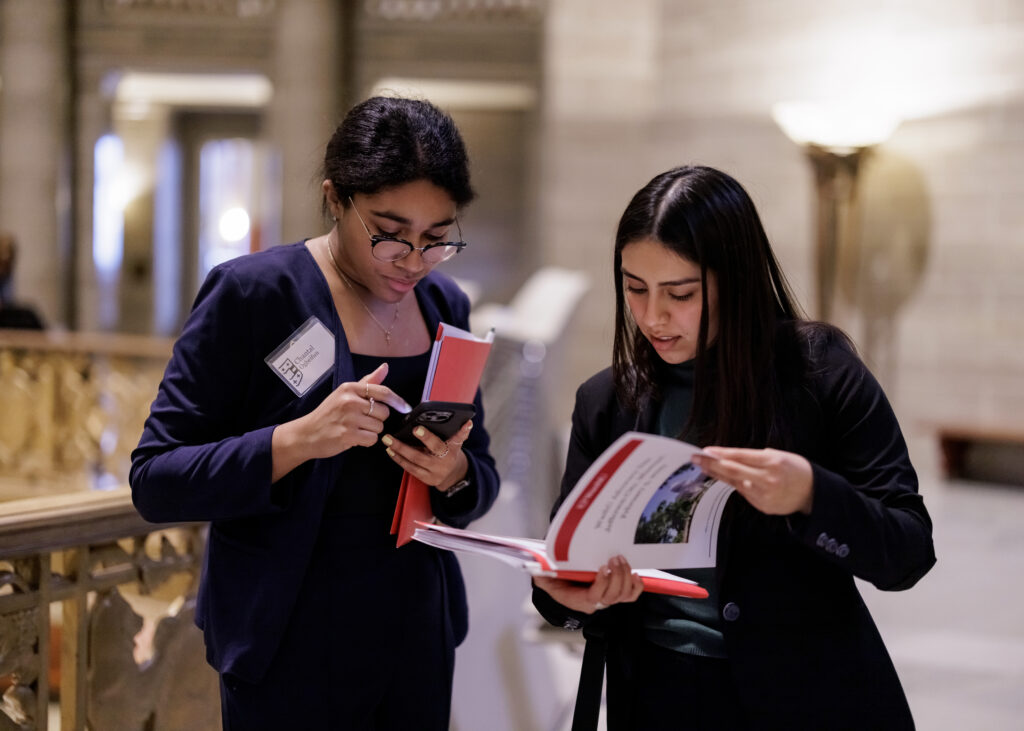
column 96, row 618
column 96, row 605
column 72, row 408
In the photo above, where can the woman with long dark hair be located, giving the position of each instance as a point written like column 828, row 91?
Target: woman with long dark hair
column 710, row 347
column 269, row 424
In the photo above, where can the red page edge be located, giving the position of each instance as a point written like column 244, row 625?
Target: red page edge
column 652, row 584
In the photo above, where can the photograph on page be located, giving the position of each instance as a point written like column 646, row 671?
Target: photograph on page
column 668, row 515
column 645, row 499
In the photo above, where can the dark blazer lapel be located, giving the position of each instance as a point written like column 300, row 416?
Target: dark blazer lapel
column 428, row 306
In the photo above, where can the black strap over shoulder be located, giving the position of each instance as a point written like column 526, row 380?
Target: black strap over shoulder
column 588, row 695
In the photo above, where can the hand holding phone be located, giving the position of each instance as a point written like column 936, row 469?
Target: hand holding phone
column 443, row 418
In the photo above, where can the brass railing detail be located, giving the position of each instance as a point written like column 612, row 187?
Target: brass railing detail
column 72, row 408
column 115, row 597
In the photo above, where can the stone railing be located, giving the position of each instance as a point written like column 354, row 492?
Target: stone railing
column 96, row 618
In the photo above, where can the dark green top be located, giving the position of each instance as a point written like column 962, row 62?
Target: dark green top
column 677, row 623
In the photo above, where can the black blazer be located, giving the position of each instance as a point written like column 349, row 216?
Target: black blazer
column 205, row 451
column 803, row 648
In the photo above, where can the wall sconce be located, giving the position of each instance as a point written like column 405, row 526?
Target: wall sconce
column 835, row 140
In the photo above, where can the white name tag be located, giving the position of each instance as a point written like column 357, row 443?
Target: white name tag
column 305, row 357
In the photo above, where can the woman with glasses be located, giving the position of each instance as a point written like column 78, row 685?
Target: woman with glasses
column 273, row 422
column 710, row 347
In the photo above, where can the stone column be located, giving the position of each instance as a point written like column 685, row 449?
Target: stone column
column 305, row 107
column 34, row 147
column 595, row 127
column 93, row 114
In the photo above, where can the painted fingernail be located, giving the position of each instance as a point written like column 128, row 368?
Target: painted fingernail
column 390, row 453
column 399, row 405
column 387, row 440
column 419, row 431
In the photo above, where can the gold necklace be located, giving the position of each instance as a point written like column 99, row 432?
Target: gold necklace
column 348, row 283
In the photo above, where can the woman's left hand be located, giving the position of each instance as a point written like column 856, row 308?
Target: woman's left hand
column 773, row 481
column 438, row 463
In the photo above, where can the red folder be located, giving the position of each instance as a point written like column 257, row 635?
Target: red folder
column 456, row 364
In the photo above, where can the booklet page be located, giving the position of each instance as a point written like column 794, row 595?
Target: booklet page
column 644, row 499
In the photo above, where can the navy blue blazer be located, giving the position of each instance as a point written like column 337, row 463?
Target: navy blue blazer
column 205, row 450
column 803, row 648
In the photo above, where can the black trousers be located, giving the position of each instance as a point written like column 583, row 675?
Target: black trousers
column 366, row 648
column 659, row 689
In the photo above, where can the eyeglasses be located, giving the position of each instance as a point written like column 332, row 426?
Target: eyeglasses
column 392, row 248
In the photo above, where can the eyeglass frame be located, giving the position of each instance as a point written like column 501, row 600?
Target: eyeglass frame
column 380, row 238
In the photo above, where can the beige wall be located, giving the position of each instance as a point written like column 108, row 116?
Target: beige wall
column 632, row 92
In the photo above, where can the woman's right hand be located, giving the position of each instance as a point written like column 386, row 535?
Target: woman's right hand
column 615, row 583
column 351, row 416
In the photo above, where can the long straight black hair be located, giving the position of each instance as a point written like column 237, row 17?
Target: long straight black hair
column 706, row 217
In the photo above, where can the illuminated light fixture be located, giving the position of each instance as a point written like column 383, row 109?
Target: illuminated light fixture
column 835, row 127
column 835, row 139
column 218, row 90
column 233, row 224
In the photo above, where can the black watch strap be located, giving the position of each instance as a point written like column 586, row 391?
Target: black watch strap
column 457, row 487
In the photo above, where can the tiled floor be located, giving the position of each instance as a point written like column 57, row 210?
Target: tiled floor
column 957, row 638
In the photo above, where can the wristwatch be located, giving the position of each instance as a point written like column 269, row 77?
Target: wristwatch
column 463, row 483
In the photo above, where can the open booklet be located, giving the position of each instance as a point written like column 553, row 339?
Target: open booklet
column 642, row 498
column 457, row 362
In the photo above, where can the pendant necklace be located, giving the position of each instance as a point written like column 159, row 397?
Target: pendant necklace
column 348, row 283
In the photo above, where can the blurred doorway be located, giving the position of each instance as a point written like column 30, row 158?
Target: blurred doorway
column 227, row 189
column 191, row 185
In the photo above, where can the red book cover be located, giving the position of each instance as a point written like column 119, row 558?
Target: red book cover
column 532, row 556
column 456, row 364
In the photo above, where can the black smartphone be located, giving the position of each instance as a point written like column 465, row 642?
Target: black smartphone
column 443, row 418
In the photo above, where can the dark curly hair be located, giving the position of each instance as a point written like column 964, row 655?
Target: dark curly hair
column 384, row 142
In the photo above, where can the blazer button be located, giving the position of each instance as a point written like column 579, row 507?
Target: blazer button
column 843, row 551
column 832, row 545
column 822, row 540
column 731, row 612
